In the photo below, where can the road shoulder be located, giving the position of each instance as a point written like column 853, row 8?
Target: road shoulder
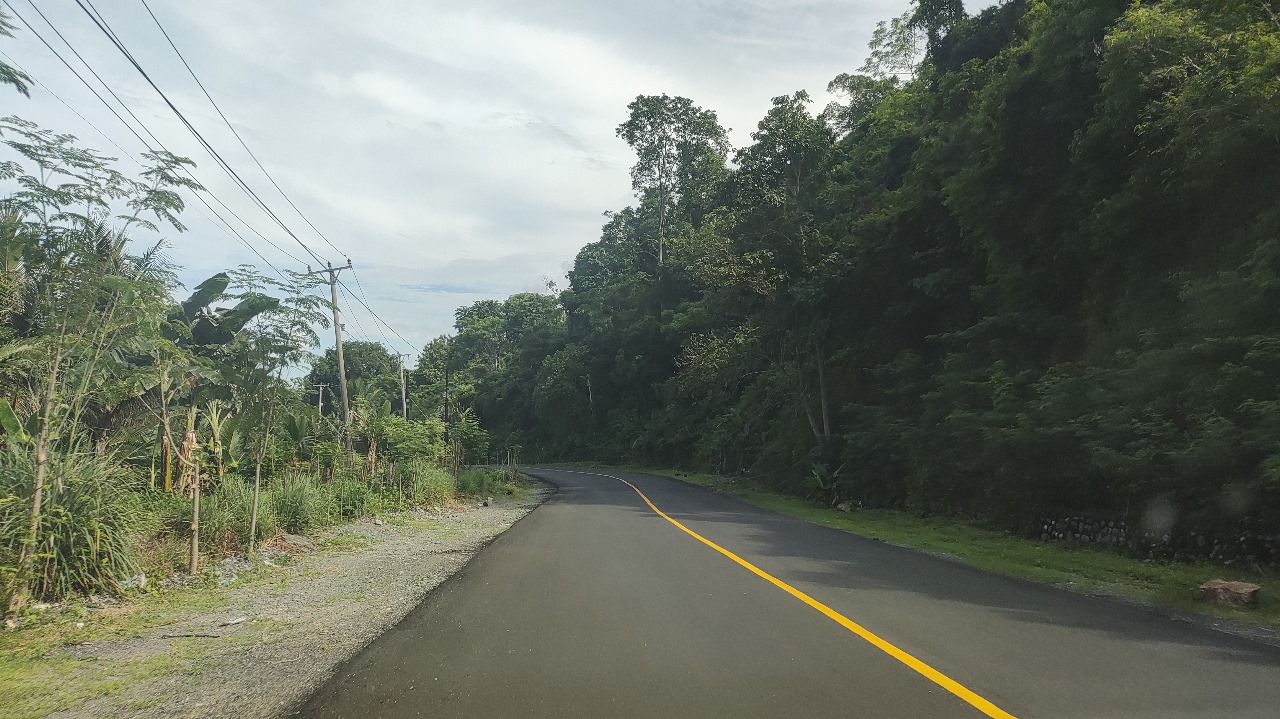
column 257, row 647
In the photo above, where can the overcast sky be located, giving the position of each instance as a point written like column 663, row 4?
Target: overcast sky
column 454, row 151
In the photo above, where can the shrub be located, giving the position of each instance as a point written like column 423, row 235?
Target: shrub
column 89, row 523
column 354, row 498
column 300, row 503
column 427, row 483
column 225, row 516
column 477, row 480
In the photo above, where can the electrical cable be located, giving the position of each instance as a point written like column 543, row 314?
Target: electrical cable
column 378, row 322
column 353, row 315
column 140, row 123
column 106, row 30
column 236, row 133
column 233, row 129
column 227, row 230
column 407, row 343
column 101, row 23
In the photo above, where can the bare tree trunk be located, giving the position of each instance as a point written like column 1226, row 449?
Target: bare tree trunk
column 193, row 566
column 166, row 456
column 822, row 393
column 186, row 453
column 257, row 481
column 662, row 204
column 217, row 457
column 802, row 393
column 26, row 554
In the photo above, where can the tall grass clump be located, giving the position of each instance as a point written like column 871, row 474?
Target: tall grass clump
column 353, row 498
column 89, row 525
column 478, row 480
column 225, row 514
column 301, row 503
column 426, row 484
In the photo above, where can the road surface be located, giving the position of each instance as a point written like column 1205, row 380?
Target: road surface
column 597, row 605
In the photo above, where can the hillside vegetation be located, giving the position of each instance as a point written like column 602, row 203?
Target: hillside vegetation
column 1026, row 269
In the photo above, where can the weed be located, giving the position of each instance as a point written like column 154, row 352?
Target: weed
column 90, row 519
column 301, row 504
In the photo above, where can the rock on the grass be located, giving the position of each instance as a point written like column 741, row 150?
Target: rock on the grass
column 1232, row 594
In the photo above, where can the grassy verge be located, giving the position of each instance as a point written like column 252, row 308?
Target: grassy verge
column 41, row 674
column 1171, row 586
column 34, row 667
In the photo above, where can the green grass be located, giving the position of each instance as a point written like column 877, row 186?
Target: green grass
column 37, row 678
column 344, row 540
column 1167, row 585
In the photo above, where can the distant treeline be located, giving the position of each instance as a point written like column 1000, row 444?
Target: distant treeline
column 1029, row 267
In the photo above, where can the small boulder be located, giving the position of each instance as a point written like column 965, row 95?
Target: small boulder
column 138, row 582
column 1231, row 594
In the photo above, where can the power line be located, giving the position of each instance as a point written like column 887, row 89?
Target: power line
column 103, row 26
column 100, row 22
column 365, row 305
column 233, row 129
column 228, row 230
column 352, row 315
column 364, row 298
column 141, row 124
column 365, row 302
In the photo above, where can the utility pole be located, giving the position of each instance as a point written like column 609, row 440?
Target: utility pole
column 320, row 398
column 404, row 389
column 332, row 272
column 446, row 399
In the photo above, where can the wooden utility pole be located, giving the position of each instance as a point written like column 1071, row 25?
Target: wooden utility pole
column 332, row 273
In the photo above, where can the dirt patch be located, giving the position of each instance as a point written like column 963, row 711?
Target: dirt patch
column 282, row 635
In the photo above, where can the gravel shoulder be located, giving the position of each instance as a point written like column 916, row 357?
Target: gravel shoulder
column 267, row 641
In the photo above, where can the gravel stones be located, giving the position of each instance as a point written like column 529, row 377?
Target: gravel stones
column 326, row 606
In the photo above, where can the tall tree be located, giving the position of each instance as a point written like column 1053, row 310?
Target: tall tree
column 678, row 147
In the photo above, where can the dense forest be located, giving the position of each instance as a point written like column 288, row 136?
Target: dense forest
column 1027, row 268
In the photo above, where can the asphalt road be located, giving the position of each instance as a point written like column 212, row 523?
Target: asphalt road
column 596, row 606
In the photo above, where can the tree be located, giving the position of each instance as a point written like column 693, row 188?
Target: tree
column 10, row 75
column 678, row 147
column 76, row 276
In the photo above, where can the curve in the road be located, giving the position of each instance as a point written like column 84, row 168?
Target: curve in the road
column 933, row 675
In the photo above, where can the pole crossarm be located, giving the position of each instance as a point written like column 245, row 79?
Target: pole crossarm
column 332, row 273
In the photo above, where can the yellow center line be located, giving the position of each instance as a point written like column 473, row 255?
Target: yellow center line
column 933, row 675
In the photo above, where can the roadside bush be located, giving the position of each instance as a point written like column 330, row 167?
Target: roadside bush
column 427, row 483
column 481, row 481
column 225, row 516
column 161, row 544
column 90, row 523
column 353, row 497
column 300, row 503
column 8, row 558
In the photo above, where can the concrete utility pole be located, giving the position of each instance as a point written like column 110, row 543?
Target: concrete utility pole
column 404, row 389
column 446, row 396
column 320, row 399
column 332, row 272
